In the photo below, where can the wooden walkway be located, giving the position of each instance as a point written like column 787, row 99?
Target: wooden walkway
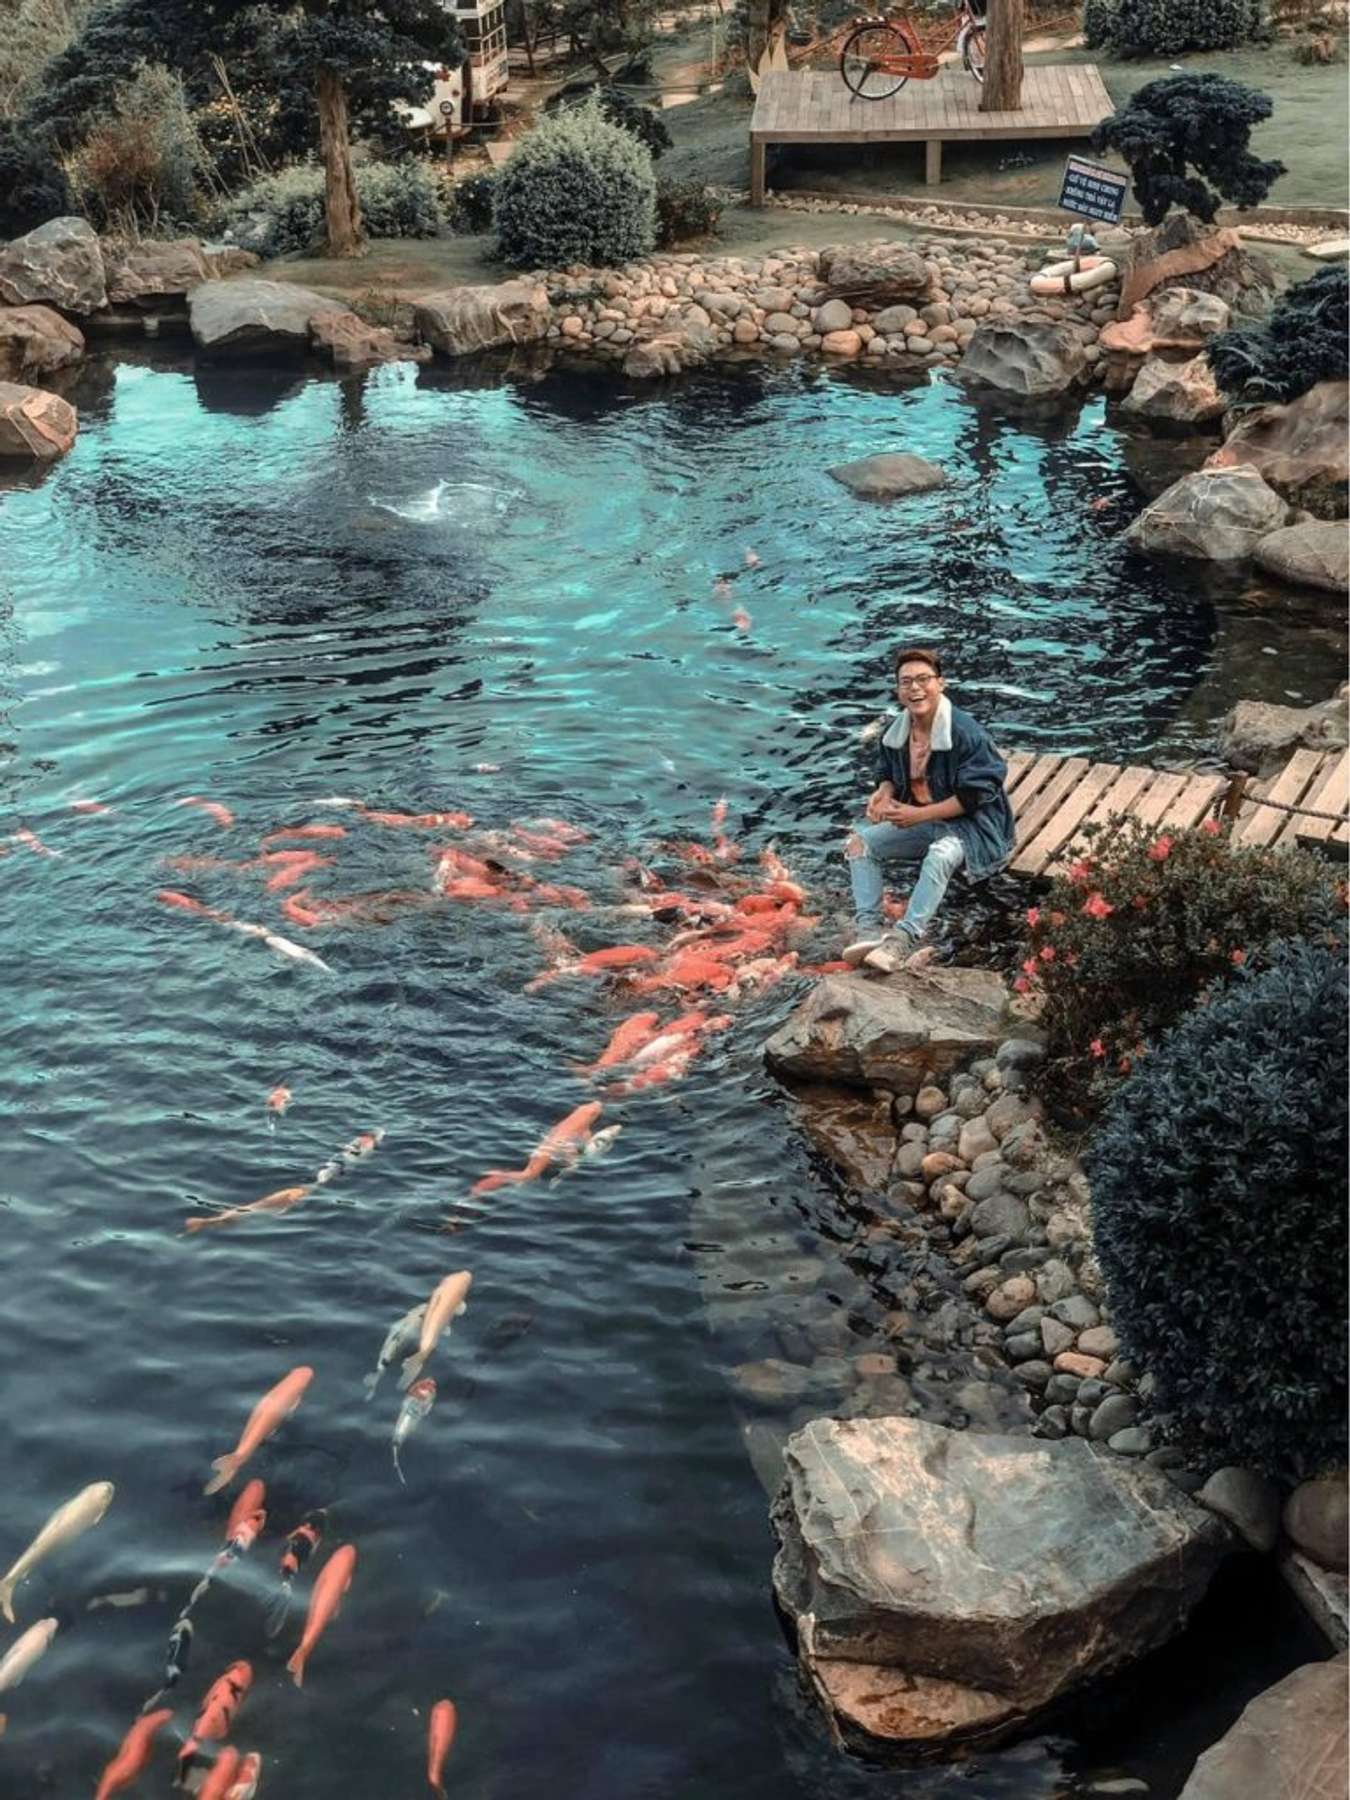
column 1059, row 100
column 1054, row 797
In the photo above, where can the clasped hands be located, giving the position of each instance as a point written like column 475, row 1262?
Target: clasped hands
column 884, row 809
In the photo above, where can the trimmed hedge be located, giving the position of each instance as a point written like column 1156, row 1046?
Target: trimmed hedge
column 1165, row 27
column 576, row 190
column 1219, row 1217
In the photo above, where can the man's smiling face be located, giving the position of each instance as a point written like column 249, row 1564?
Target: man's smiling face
column 918, row 687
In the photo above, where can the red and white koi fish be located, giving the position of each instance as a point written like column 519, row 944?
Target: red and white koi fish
column 279, row 1099
column 764, row 972
column 419, row 1402
column 223, row 1699
column 449, row 1298
column 324, row 1604
column 90, row 807
column 247, row 1779
column 487, row 768
column 303, row 831
column 133, row 1754
column 741, row 619
column 625, row 1041
column 560, row 829
column 777, row 872
column 617, row 958
column 433, row 821
column 440, row 1735
column 220, row 1776
column 31, row 841
column 277, row 1404
column 364, row 1144
column 21, row 1656
column 212, row 808
column 564, row 1143
column 300, row 1545
column 279, row 1202
column 751, row 559
column 244, row 1526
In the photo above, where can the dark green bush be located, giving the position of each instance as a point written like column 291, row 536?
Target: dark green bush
column 1099, row 23
column 1145, row 921
column 1301, row 343
column 1185, row 139
column 1219, row 1217
column 471, row 203
column 282, row 214
column 33, row 185
column 685, row 209
column 1165, row 27
column 576, row 190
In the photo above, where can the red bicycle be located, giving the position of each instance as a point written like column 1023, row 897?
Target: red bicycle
column 882, row 52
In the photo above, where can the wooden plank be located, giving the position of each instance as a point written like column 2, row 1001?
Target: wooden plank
column 932, row 162
column 1264, row 823
column 1062, row 783
column 1018, row 761
column 1120, row 797
column 1059, row 828
column 1034, row 779
column 1167, row 786
column 1328, row 792
column 1194, row 801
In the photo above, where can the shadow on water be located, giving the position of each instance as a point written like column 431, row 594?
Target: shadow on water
column 272, row 590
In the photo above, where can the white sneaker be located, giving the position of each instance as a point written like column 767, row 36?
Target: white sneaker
column 863, row 948
column 891, row 954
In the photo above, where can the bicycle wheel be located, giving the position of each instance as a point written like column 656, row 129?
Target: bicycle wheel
column 867, row 60
column 972, row 51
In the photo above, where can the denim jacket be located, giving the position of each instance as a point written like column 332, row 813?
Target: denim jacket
column 963, row 762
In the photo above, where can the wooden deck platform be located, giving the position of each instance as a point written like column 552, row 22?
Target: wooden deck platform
column 1054, row 797
column 1059, row 100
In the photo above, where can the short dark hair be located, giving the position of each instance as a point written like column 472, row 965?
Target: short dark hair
column 930, row 657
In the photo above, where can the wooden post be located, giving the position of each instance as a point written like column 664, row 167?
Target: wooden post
column 757, row 149
column 1232, row 800
column 932, row 161
column 1002, row 89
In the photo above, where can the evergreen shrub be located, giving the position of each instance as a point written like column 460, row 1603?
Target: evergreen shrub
column 1219, row 1217
column 1185, row 139
column 685, row 209
column 1145, row 921
column 33, row 184
column 1166, row 27
column 1302, row 342
column 398, row 200
column 577, row 190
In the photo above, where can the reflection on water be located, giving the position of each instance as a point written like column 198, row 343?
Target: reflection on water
column 266, row 591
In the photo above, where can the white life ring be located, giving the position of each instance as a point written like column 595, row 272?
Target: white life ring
column 1074, row 278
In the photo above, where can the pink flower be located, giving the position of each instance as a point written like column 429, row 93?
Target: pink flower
column 1237, row 958
column 1047, row 952
column 1029, row 966
column 1097, row 1047
column 1211, row 828
column 1160, row 850
column 1021, row 985
column 1080, row 873
column 1033, row 916
column 1096, row 906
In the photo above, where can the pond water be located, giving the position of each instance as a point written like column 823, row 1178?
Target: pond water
column 267, row 591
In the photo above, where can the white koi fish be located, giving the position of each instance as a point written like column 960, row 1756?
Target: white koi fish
column 66, row 1523
column 23, row 1653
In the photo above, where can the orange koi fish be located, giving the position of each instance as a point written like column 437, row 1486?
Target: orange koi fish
column 303, row 831
column 544, row 893
column 742, row 620
column 247, row 1780
column 440, row 1735
column 250, row 1501
column 296, row 870
column 212, row 808
column 277, row 1403
column 449, row 1298
column 456, row 821
column 133, row 1754
column 31, row 841
column 324, row 1603
column 279, row 1099
column 564, row 1143
column 90, row 807
column 223, row 1699
column 221, row 1776
column 279, row 1202
column 560, row 829
column 300, row 909
column 827, row 968
column 627, row 1038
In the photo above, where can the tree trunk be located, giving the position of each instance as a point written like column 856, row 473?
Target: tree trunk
column 1002, row 90
column 764, row 16
column 340, row 203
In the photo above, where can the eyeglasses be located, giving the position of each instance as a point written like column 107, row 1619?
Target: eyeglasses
column 914, row 681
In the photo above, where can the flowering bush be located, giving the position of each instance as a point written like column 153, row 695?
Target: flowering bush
column 1219, row 1216
column 1144, row 923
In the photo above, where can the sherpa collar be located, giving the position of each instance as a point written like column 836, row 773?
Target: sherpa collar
column 896, row 735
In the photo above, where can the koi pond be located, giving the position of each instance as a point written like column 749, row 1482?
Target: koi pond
column 529, row 598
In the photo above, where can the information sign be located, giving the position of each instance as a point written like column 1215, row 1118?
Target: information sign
column 1093, row 191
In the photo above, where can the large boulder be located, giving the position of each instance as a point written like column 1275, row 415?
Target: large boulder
column 1313, row 554
column 948, row 1586
column 1317, row 1518
column 261, row 317
column 1184, row 252
column 59, row 264
column 460, row 320
column 1290, row 1743
column 889, row 475
column 670, row 352
column 352, row 344
column 36, row 341
column 1302, row 449
column 1261, row 737
column 1174, row 394
column 1221, row 515
column 876, row 273
column 153, row 270
column 1178, row 318
column 33, row 424
column 1024, row 361
column 896, row 1034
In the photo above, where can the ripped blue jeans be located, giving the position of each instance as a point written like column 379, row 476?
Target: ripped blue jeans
column 931, row 855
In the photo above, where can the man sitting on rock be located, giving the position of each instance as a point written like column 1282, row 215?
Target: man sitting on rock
column 939, row 803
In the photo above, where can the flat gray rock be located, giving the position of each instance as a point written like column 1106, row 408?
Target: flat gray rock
column 1259, row 736
column 889, row 476
column 1313, row 554
column 1289, row 1744
column 1219, row 515
column 876, row 272
column 1011, row 1568
column 898, row 1033
column 251, row 315
column 1024, row 361
column 460, row 320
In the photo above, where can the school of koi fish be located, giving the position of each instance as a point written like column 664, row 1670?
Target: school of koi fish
column 735, row 935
